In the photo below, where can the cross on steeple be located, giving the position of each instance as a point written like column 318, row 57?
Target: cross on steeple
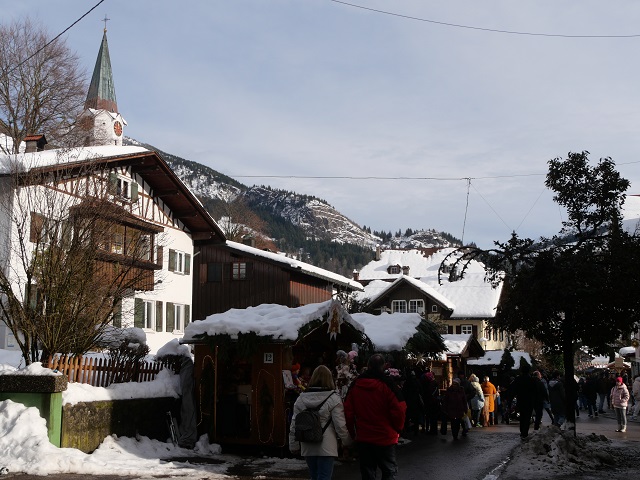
column 105, row 20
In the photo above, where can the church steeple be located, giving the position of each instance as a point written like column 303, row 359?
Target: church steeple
column 101, row 122
column 102, row 92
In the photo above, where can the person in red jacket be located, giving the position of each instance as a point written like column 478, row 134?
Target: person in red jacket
column 375, row 413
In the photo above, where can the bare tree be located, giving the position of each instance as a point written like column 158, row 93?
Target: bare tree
column 70, row 254
column 42, row 87
column 237, row 220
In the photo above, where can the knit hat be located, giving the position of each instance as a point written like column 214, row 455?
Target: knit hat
column 352, row 354
column 429, row 376
column 619, row 379
column 295, row 366
column 456, row 380
column 473, row 378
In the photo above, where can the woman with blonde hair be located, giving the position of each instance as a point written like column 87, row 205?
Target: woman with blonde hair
column 490, row 393
column 321, row 456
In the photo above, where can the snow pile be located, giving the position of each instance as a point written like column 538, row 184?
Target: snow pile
column 557, row 452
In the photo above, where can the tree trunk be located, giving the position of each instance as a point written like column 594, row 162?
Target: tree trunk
column 570, row 386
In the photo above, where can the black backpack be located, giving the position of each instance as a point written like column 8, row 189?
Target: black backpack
column 308, row 427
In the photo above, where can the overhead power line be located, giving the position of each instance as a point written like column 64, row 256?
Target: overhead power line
column 54, row 38
column 483, row 29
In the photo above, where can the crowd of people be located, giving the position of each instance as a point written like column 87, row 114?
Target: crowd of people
column 369, row 409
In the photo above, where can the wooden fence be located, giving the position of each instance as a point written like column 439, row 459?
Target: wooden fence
column 102, row 372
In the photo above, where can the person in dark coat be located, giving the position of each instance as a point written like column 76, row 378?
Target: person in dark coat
column 411, row 393
column 543, row 395
column 454, row 407
column 527, row 398
column 557, row 399
column 375, row 414
column 590, row 391
column 430, row 393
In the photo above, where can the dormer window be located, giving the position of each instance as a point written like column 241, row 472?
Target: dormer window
column 394, row 269
column 123, row 188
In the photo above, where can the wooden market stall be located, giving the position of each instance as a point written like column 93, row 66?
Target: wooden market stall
column 243, row 361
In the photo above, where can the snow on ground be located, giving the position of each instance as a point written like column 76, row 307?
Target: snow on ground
column 552, row 453
column 24, row 444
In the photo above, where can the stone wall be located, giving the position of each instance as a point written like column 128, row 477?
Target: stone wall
column 86, row 424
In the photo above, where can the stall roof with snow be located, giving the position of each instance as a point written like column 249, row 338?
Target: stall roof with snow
column 493, row 357
column 280, row 323
column 394, row 331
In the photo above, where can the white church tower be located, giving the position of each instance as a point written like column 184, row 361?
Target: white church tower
column 100, row 120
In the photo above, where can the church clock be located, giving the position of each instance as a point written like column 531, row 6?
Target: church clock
column 117, row 128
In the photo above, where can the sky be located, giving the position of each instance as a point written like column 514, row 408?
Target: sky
column 285, row 92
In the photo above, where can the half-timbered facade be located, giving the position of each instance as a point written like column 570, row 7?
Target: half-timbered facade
column 147, row 221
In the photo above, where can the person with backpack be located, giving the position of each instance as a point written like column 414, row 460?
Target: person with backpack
column 375, row 411
column 317, row 423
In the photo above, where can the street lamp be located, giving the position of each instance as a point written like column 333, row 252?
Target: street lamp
column 483, row 341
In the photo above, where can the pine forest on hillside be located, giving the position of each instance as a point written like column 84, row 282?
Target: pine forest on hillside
column 302, row 226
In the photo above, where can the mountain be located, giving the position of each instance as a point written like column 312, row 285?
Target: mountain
column 303, row 226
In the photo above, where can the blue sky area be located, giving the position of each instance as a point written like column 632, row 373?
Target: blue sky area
column 320, row 88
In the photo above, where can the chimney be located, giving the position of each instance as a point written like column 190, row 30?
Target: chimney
column 356, row 275
column 34, row 143
column 249, row 240
column 405, row 270
column 378, row 252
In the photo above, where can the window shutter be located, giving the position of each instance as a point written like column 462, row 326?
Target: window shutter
column 187, row 315
column 159, row 254
column 159, row 316
column 214, row 272
column 474, row 331
column 450, row 329
column 116, row 316
column 138, row 313
column 172, row 260
column 171, row 322
column 458, row 329
column 187, row 264
column 134, row 191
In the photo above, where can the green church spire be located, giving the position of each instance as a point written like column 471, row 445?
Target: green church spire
column 102, row 92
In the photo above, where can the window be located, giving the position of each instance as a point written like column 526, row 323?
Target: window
column 394, row 269
column 214, row 272
column 495, row 335
column 434, row 308
column 239, row 271
column 117, row 239
column 179, row 262
column 123, row 187
column 467, row 329
column 399, row 306
column 149, row 310
column 416, row 306
column 177, row 317
column 501, row 335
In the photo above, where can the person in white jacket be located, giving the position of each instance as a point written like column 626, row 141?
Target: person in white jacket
column 636, row 397
column 320, row 456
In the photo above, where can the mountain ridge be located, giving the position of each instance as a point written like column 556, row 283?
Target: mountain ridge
column 303, row 226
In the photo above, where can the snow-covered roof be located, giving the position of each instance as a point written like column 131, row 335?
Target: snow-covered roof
column 423, row 287
column 493, row 357
column 631, row 214
column 278, row 321
column 471, row 296
column 23, row 162
column 626, row 351
column 456, row 343
column 389, row 331
column 297, row 264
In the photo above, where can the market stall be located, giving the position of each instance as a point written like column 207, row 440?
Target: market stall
column 245, row 388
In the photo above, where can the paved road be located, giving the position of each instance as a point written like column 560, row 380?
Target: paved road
column 479, row 456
